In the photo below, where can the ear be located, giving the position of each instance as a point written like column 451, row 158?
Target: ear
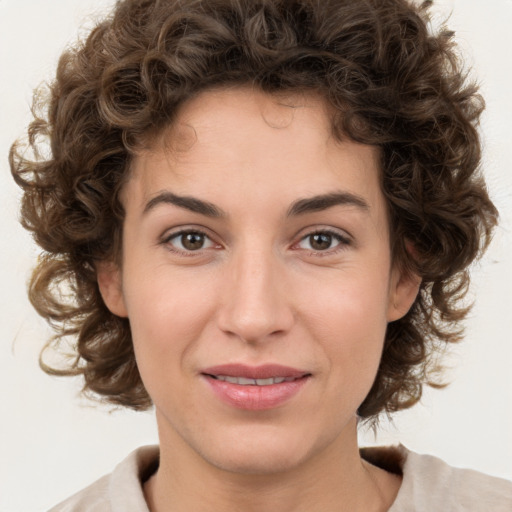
column 404, row 287
column 109, row 279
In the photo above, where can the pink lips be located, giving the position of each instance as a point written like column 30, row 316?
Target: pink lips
column 255, row 396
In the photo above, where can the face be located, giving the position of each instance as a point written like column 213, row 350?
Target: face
column 257, row 279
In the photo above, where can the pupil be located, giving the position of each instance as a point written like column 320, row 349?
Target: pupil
column 320, row 241
column 193, row 241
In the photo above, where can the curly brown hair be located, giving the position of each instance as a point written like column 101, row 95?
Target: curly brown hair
column 391, row 81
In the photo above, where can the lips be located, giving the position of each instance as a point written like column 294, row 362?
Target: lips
column 244, row 381
column 266, row 371
column 255, row 387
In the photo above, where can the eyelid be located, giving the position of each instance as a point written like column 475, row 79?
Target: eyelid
column 172, row 233
column 345, row 239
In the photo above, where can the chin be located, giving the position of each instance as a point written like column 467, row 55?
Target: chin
column 255, row 462
column 259, row 453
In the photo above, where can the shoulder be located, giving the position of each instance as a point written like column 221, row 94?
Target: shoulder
column 94, row 497
column 120, row 490
column 431, row 484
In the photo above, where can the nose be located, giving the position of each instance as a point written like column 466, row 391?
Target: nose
column 254, row 305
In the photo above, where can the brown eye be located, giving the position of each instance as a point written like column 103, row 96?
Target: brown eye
column 189, row 241
column 320, row 241
column 192, row 241
column 323, row 241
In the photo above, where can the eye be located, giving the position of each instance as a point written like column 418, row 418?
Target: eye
column 189, row 241
column 322, row 241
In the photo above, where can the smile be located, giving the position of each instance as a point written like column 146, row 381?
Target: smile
column 255, row 388
column 244, row 381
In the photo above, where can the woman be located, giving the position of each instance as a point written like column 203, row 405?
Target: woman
column 265, row 212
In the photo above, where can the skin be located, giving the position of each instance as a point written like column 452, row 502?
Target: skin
column 258, row 288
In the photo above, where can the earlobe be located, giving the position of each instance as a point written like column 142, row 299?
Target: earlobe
column 109, row 282
column 404, row 290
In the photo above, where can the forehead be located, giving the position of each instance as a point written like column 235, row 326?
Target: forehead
column 241, row 143
column 241, row 120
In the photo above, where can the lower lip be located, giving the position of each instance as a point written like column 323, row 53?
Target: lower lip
column 256, row 398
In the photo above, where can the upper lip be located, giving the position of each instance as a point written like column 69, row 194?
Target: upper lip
column 264, row 371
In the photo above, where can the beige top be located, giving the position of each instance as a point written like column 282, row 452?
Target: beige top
column 429, row 485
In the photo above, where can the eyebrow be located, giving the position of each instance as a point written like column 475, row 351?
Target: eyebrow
column 300, row 207
column 188, row 203
column 325, row 201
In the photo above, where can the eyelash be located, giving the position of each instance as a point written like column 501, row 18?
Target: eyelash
column 167, row 241
column 343, row 241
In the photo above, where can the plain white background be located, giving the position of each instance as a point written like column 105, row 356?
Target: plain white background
column 52, row 442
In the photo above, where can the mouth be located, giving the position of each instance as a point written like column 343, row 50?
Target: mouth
column 255, row 387
column 263, row 375
column 244, row 381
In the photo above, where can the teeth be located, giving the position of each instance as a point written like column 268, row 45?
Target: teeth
column 244, row 381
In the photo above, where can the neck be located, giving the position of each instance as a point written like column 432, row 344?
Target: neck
column 335, row 479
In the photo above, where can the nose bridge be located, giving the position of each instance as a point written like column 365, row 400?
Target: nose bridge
column 254, row 304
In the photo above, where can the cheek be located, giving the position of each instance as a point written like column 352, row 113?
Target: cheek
column 348, row 318
column 167, row 315
column 344, row 302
